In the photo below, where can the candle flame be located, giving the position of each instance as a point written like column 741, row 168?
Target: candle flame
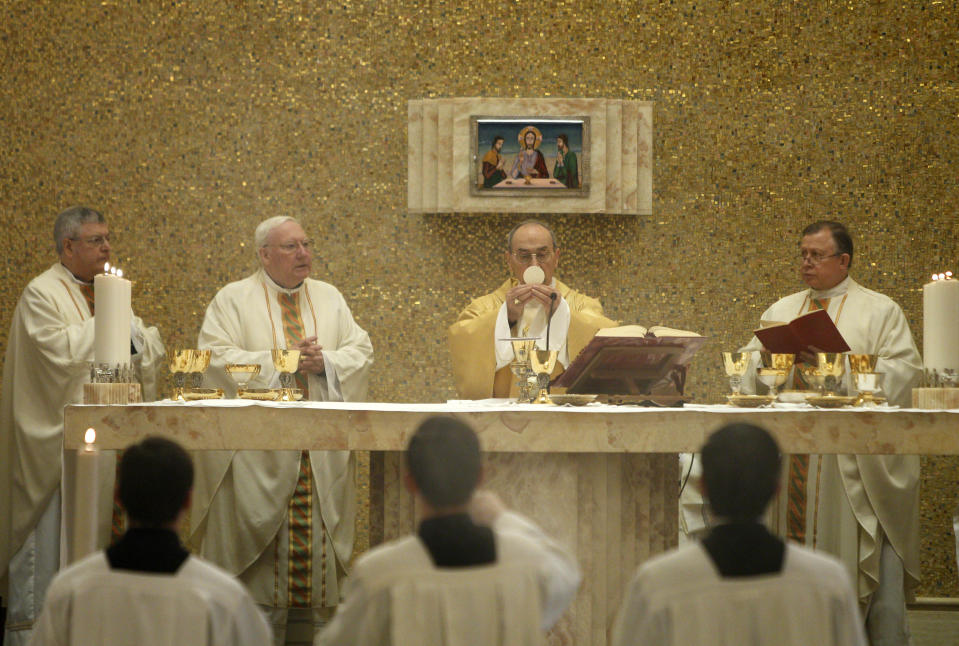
column 106, row 267
column 119, row 273
column 942, row 276
column 90, row 436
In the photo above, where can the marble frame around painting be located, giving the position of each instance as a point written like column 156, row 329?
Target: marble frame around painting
column 483, row 130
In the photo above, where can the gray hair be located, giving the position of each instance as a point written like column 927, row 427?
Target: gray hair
column 69, row 222
column 265, row 228
column 549, row 229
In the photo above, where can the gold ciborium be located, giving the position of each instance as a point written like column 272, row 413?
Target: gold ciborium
column 180, row 363
column 286, row 362
column 543, row 362
column 831, row 367
column 736, row 364
column 521, row 367
column 242, row 374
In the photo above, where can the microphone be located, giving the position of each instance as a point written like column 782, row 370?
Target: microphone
column 549, row 321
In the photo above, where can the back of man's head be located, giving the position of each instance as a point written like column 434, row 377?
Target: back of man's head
column 740, row 471
column 444, row 460
column 155, row 479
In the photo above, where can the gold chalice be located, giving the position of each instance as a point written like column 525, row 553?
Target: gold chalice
column 180, row 363
column 831, row 366
column 286, row 362
column 242, row 374
column 543, row 362
column 521, row 368
column 736, row 364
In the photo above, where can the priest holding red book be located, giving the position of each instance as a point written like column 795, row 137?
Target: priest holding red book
column 864, row 509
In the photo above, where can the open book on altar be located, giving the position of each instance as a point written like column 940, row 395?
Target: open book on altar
column 814, row 329
column 633, row 360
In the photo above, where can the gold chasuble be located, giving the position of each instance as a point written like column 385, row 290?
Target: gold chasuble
column 472, row 340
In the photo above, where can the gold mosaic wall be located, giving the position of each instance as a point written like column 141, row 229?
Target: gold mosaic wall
column 188, row 122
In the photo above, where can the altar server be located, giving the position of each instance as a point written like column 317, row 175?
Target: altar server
column 282, row 521
column 865, row 508
column 146, row 588
column 474, row 573
column 740, row 584
column 48, row 358
column 516, row 309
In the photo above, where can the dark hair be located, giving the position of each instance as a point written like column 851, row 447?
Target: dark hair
column 444, row 459
column 549, row 229
column 70, row 220
column 155, row 478
column 564, row 138
column 839, row 235
column 497, row 138
column 740, row 470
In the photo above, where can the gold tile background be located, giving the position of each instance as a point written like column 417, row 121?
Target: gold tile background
column 188, row 122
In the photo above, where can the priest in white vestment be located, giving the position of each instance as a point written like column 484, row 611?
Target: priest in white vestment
column 861, row 508
column 280, row 520
column 146, row 589
column 48, row 359
column 740, row 584
column 473, row 575
column 481, row 356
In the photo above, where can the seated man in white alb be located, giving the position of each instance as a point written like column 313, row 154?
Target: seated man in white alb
column 146, row 589
column 740, row 584
column 473, row 574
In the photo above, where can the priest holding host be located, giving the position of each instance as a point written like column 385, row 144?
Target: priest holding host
column 282, row 521
column 864, row 509
column 528, row 303
column 49, row 355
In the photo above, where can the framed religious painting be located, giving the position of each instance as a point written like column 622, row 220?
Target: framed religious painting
column 529, row 156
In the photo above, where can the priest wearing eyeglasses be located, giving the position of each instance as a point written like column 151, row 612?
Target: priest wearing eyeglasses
column 48, row 357
column 282, row 521
column 864, row 509
column 520, row 309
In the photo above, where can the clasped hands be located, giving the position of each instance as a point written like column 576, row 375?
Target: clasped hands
column 311, row 356
column 519, row 296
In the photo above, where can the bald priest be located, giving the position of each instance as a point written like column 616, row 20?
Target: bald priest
column 520, row 308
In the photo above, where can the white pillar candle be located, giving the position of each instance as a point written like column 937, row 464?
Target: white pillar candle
column 85, row 498
column 940, row 325
column 112, row 320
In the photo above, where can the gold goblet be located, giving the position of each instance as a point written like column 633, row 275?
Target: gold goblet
column 242, row 374
column 286, row 361
column 180, row 363
column 543, row 362
column 736, row 364
column 831, row 367
column 522, row 347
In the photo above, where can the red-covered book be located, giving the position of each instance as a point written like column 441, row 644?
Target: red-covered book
column 812, row 330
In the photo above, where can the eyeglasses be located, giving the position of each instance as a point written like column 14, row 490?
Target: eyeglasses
column 95, row 241
column 815, row 258
column 526, row 257
column 291, row 247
